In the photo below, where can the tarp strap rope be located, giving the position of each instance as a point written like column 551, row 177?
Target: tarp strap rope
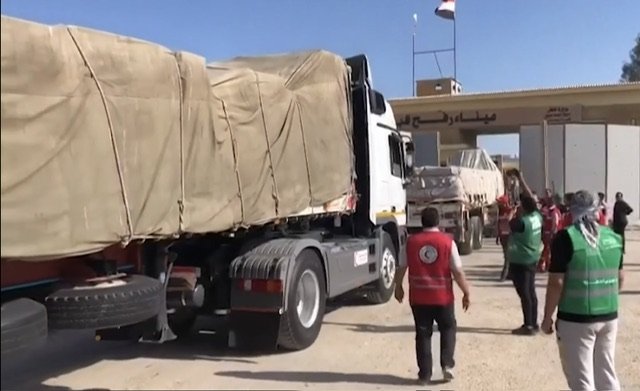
column 236, row 159
column 304, row 148
column 181, row 97
column 350, row 125
column 266, row 135
column 112, row 135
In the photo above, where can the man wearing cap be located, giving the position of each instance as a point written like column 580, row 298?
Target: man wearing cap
column 585, row 277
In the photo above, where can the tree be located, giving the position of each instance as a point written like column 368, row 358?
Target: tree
column 631, row 69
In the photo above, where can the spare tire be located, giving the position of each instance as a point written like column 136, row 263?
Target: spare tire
column 120, row 302
column 24, row 326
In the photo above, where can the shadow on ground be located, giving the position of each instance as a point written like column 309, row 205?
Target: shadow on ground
column 67, row 351
column 481, row 274
column 319, row 377
column 509, row 284
column 372, row 328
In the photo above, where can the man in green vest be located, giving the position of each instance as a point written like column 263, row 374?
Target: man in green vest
column 523, row 252
column 585, row 276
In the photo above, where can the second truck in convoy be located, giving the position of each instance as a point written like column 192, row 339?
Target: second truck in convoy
column 463, row 192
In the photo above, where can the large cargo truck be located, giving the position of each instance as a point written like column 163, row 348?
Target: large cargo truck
column 462, row 191
column 142, row 188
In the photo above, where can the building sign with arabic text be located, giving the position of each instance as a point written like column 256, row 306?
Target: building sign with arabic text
column 441, row 120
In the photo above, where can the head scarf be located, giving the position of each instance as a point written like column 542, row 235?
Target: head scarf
column 585, row 218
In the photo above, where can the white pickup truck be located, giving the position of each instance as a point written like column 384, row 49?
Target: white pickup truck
column 463, row 192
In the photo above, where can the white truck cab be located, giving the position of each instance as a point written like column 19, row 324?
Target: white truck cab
column 388, row 152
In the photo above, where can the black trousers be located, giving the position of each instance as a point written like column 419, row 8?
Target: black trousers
column 524, row 279
column 504, row 242
column 424, row 316
column 619, row 229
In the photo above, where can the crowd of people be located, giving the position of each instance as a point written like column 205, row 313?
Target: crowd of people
column 575, row 239
column 556, row 215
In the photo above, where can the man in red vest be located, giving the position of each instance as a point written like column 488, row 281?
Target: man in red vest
column 567, row 218
column 551, row 224
column 602, row 209
column 505, row 213
column 433, row 262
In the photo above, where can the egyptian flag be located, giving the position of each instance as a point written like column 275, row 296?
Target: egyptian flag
column 447, row 9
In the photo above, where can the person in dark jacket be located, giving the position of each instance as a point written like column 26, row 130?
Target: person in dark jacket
column 620, row 212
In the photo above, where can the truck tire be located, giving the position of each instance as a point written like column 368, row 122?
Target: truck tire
column 383, row 288
column 125, row 301
column 24, row 326
column 306, row 301
column 478, row 232
column 465, row 246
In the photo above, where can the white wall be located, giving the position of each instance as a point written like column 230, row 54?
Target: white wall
column 555, row 158
column 532, row 156
column 585, row 157
column 623, row 165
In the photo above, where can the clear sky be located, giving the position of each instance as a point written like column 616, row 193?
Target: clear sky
column 502, row 44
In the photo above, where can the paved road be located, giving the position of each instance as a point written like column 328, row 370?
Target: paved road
column 360, row 347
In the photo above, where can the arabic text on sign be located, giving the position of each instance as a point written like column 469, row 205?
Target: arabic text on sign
column 417, row 120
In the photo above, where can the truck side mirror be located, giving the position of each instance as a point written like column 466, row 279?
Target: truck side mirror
column 409, row 162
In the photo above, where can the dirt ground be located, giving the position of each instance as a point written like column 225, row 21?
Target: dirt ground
column 360, row 347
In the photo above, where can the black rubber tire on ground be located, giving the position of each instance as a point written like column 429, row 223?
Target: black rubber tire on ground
column 465, row 246
column 107, row 306
column 292, row 334
column 379, row 293
column 24, row 326
column 478, row 232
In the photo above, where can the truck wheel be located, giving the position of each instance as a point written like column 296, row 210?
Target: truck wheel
column 125, row 301
column 24, row 326
column 382, row 289
column 465, row 246
column 478, row 232
column 306, row 300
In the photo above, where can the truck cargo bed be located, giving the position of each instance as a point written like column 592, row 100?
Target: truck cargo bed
column 437, row 184
column 108, row 139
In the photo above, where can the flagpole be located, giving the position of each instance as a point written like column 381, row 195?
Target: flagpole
column 413, row 63
column 413, row 54
column 455, row 65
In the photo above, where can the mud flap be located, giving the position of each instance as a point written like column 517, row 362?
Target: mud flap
column 243, row 332
column 163, row 331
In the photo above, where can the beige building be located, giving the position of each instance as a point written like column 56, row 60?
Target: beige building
column 571, row 138
column 460, row 118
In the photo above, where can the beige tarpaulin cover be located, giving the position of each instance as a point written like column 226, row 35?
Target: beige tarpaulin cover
column 472, row 177
column 106, row 139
